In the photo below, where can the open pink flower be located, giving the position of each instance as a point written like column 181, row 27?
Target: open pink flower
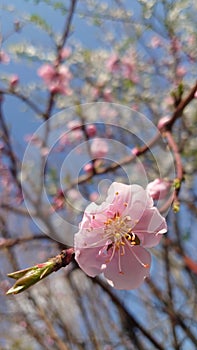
column 159, row 188
column 113, row 236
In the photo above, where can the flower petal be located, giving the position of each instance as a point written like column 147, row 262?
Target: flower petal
column 128, row 199
column 133, row 272
column 150, row 228
column 91, row 260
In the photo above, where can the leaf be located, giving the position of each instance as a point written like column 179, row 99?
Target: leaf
column 40, row 22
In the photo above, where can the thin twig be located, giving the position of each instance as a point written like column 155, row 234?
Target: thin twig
column 10, row 242
column 11, row 154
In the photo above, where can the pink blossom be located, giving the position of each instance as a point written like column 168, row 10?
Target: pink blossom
column 181, row 71
column 155, row 42
column 91, row 130
column 77, row 135
column 135, row 151
column 124, row 66
column 169, row 101
column 56, row 79
column 23, row 324
column 47, row 72
column 163, row 122
column 65, row 53
column 158, row 189
column 4, row 58
column 95, row 93
column 113, row 236
column 195, row 95
column 99, row 92
column 107, row 95
column 99, row 148
column 64, row 140
column 74, row 124
column 128, row 70
column 73, row 194
column 175, row 44
column 36, row 140
column 113, row 63
column 45, row 151
column 135, row 107
column 94, row 196
column 14, row 80
column 59, row 200
column 88, row 168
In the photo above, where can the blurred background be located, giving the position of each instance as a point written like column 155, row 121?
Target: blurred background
column 83, row 85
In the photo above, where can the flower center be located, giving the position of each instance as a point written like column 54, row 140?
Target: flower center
column 119, row 231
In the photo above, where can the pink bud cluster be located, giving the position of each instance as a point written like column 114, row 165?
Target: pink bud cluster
column 57, row 79
column 124, row 66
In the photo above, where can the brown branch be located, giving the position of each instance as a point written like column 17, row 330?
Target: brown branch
column 17, row 210
column 141, row 150
column 179, row 110
column 7, row 140
column 23, row 98
column 64, row 37
column 10, row 242
column 67, row 27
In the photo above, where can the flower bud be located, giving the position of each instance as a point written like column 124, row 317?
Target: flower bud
column 163, row 122
column 158, row 189
column 27, row 277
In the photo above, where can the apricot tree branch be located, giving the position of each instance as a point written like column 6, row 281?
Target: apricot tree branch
column 30, row 276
